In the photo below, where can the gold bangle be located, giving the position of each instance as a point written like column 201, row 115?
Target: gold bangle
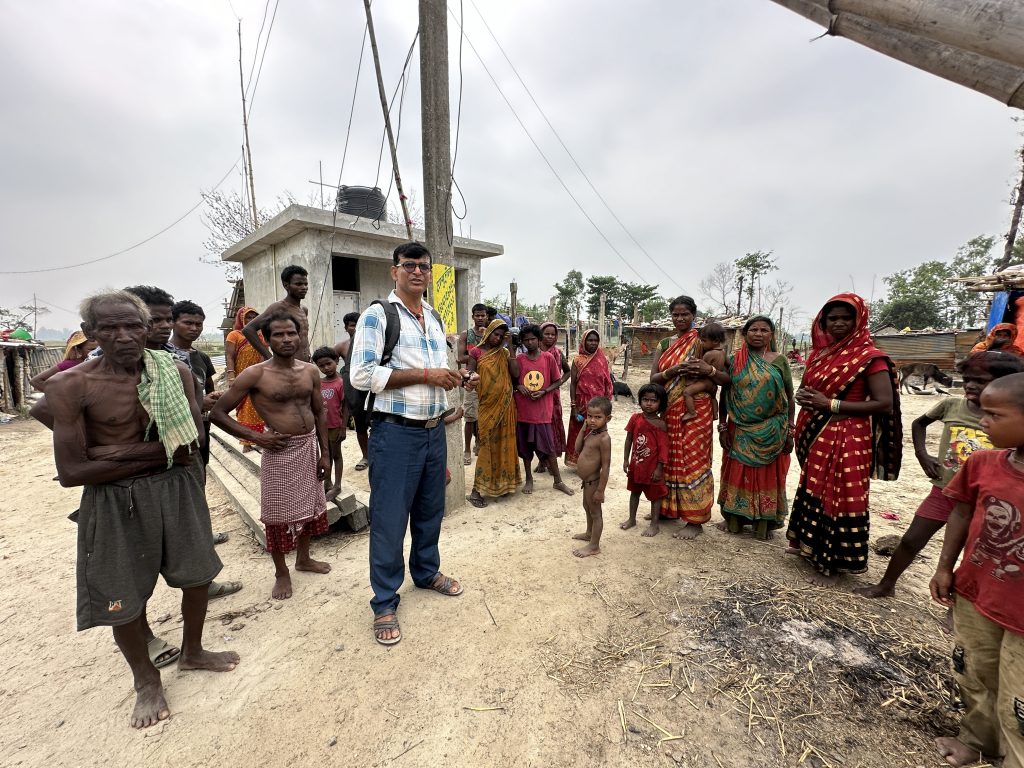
column 834, row 406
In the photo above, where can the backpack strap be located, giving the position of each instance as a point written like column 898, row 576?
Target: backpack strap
column 392, row 330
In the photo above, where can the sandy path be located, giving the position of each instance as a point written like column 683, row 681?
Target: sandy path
column 313, row 687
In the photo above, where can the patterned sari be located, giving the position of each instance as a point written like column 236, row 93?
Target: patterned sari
column 688, row 475
column 557, row 420
column 245, row 356
column 839, row 456
column 753, row 480
column 593, row 379
column 497, row 465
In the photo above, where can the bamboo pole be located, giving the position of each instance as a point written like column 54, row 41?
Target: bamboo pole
column 387, row 120
column 245, row 130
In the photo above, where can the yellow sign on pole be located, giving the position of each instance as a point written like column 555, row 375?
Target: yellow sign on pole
column 444, row 297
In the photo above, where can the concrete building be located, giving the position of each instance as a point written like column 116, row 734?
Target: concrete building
column 348, row 259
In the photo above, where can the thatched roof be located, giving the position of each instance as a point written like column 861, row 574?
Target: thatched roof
column 1010, row 279
column 976, row 43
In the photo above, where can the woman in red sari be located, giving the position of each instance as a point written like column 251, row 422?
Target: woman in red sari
column 848, row 431
column 239, row 354
column 589, row 376
column 689, row 476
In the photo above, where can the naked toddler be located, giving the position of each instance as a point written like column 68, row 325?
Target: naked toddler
column 594, row 451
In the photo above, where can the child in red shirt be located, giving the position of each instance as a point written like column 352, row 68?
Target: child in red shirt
column 988, row 606
column 332, row 390
column 645, row 456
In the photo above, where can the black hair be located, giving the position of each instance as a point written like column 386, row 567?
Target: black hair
column 478, row 308
column 152, row 296
column 657, row 390
column 601, row 402
column 410, row 251
column 531, row 329
column 351, row 317
column 491, row 313
column 279, row 315
column 996, row 364
column 186, row 307
column 685, row 301
column 712, row 331
column 832, row 305
column 324, row 352
column 289, row 272
column 1012, row 385
column 759, row 318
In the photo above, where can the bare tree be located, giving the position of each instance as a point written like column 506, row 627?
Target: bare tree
column 719, row 286
column 394, row 212
column 1017, row 201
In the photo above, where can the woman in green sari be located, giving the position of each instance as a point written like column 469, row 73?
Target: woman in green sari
column 756, row 432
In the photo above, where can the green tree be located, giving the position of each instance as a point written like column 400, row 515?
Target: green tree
column 750, row 268
column 654, row 308
column 973, row 258
column 570, row 296
column 610, row 286
column 633, row 295
column 907, row 312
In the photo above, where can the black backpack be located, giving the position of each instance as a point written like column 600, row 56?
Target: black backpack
column 392, row 330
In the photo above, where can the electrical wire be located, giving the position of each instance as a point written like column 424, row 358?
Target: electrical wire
column 449, row 229
column 548, row 162
column 266, row 42
column 570, row 154
column 130, row 247
column 256, row 49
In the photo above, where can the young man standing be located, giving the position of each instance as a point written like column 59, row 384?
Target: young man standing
column 296, row 284
column 295, row 457
column 469, row 339
column 408, row 448
column 355, row 399
column 126, row 426
column 188, row 318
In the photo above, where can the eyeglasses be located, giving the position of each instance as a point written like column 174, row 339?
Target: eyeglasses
column 412, row 266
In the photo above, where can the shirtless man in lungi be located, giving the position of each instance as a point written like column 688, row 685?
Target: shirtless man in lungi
column 286, row 393
column 126, row 427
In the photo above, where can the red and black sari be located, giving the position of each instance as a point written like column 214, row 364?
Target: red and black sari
column 840, row 455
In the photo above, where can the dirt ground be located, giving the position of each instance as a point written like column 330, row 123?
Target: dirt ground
column 657, row 652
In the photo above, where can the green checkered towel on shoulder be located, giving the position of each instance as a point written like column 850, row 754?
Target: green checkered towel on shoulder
column 162, row 395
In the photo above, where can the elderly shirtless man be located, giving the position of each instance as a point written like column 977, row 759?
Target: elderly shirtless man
column 126, row 427
column 286, row 393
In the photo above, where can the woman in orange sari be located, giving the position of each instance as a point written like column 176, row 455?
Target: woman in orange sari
column 497, row 464
column 848, row 431
column 688, row 475
column 589, row 376
column 239, row 354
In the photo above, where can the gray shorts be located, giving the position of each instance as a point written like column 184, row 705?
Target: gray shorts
column 472, row 406
column 130, row 532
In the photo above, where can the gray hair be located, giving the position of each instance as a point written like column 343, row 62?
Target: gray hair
column 89, row 307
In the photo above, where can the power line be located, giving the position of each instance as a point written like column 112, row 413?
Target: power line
column 130, row 247
column 545, row 157
column 458, row 125
column 266, row 42
column 570, row 154
column 256, row 48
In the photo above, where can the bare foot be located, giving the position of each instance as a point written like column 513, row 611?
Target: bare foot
column 647, row 516
column 213, row 661
column 587, row 551
column 689, row 532
column 722, row 526
column 946, row 625
column 528, row 488
column 631, row 523
column 956, row 752
column 652, row 530
column 875, row 590
column 821, row 580
column 560, row 486
column 688, row 416
column 282, row 587
column 540, row 469
column 313, row 566
column 150, row 706
column 582, row 536
column 792, row 550
column 332, row 493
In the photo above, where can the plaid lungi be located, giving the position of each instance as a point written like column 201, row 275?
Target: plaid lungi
column 291, row 494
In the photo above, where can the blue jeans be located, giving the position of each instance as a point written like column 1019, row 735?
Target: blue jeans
column 406, row 487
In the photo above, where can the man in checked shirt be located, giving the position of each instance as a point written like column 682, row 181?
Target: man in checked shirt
column 408, row 449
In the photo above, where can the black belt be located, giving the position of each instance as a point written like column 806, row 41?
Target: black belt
column 391, row 418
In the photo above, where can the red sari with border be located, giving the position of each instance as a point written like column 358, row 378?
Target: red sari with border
column 839, row 456
column 593, row 379
column 688, row 474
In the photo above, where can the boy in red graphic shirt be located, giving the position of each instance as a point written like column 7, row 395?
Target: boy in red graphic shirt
column 987, row 590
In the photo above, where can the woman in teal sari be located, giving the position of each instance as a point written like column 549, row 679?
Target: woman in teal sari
column 756, row 433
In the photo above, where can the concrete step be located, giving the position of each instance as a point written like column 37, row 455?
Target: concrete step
column 239, row 485
column 350, row 509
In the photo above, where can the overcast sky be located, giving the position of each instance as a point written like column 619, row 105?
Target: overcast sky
column 711, row 128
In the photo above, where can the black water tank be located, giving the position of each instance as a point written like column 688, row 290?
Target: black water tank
column 368, row 202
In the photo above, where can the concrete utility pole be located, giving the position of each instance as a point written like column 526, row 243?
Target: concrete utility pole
column 601, row 317
column 513, row 292
column 437, row 184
